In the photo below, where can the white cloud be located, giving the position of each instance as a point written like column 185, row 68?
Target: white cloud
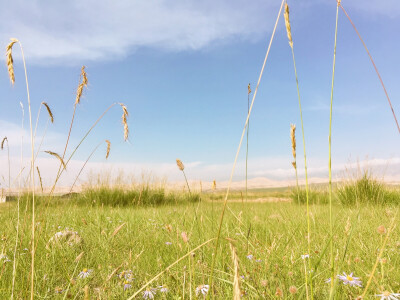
column 94, row 30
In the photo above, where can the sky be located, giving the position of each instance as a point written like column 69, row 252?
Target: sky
column 182, row 69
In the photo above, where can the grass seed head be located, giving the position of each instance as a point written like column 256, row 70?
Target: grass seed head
column 84, row 83
column 293, row 138
column 248, row 89
column 180, row 164
column 287, row 23
column 49, row 111
column 2, row 142
column 214, row 185
column 10, row 61
column 58, row 157
column 40, row 178
column 108, row 148
column 125, row 116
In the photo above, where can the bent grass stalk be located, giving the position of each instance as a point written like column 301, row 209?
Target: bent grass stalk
column 373, row 63
column 14, row 274
column 289, row 34
column 248, row 127
column 238, row 150
column 182, row 168
column 330, row 157
column 126, row 133
column 94, row 150
column 12, row 78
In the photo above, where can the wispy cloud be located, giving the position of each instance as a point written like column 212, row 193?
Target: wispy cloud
column 93, row 30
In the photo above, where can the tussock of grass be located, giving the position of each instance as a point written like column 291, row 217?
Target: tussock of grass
column 144, row 196
column 367, row 190
column 299, row 196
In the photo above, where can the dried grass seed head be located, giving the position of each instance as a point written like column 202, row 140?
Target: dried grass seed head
column 2, row 142
column 287, row 24
column 58, row 157
column 293, row 138
column 49, row 111
column 84, row 83
column 248, row 89
column 10, row 61
column 180, row 164
column 108, row 148
column 125, row 116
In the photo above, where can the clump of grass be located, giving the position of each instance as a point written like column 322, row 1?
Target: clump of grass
column 367, row 190
column 143, row 196
column 299, row 196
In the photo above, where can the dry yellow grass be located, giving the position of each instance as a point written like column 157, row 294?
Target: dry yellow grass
column 180, row 164
column 10, row 61
column 84, row 83
column 125, row 116
column 108, row 148
column 236, row 278
column 58, row 157
column 2, row 142
column 49, row 111
column 293, row 139
column 40, row 178
column 287, row 24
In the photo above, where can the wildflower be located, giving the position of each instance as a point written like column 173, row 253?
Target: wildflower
column 350, row 280
column 202, row 289
column 304, row 256
column 149, row 294
column 185, row 237
column 127, row 275
column 381, row 229
column 163, row 289
column 4, row 258
column 293, row 290
column 127, row 285
column 168, row 243
column 58, row 290
column 264, row 282
column 249, row 257
column 258, row 260
column 85, row 273
column 279, row 292
column 389, row 296
column 328, row 280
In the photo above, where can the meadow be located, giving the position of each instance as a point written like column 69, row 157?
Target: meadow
column 124, row 246
column 334, row 241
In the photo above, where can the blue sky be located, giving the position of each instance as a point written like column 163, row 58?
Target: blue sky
column 182, row 69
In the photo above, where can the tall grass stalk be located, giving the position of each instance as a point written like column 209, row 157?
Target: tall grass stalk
column 14, row 274
column 237, row 153
column 248, row 127
column 182, row 168
column 5, row 139
column 373, row 63
column 32, row 174
column 91, row 154
column 289, row 33
column 330, row 156
column 126, row 131
column 294, row 163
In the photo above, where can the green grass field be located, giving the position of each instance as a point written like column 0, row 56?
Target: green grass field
column 270, row 239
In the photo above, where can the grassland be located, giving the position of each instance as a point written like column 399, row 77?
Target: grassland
column 270, row 239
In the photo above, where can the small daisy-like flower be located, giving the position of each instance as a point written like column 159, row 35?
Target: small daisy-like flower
column 350, row 280
column 163, row 289
column 127, row 285
column 304, row 256
column 85, row 273
column 127, row 275
column 149, row 294
column 328, row 280
column 202, row 289
column 168, row 243
column 4, row 258
column 389, row 296
column 250, row 257
column 258, row 260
